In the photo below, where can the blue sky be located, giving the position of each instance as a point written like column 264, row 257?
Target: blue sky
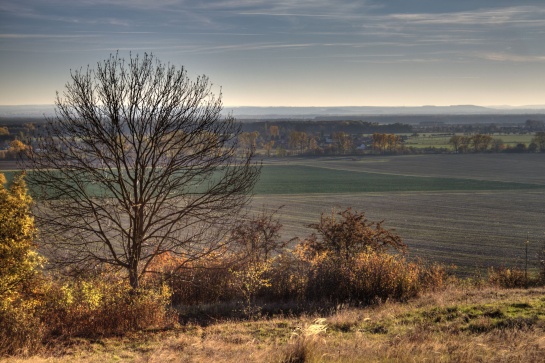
column 290, row 53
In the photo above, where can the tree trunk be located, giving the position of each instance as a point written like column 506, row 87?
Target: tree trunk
column 133, row 278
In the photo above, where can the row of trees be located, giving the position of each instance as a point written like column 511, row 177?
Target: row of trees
column 386, row 142
column 477, row 143
column 482, row 143
column 299, row 142
column 342, row 143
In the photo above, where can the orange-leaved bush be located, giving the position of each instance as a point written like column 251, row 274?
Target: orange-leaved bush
column 348, row 260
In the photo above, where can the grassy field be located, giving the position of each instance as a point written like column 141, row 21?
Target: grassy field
column 456, row 325
column 303, row 179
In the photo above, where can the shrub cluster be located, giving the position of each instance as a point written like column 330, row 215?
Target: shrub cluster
column 97, row 306
column 511, row 278
column 347, row 260
column 21, row 329
column 104, row 305
column 292, row 281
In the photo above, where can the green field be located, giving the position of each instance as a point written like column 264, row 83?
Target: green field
column 303, row 179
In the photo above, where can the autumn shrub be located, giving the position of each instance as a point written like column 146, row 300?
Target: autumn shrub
column 250, row 280
column 366, row 278
column 19, row 260
column 205, row 281
column 258, row 238
column 348, row 233
column 104, row 305
column 350, row 259
column 21, row 329
column 288, row 276
column 510, row 278
column 434, row 277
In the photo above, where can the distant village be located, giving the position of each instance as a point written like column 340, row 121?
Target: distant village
column 289, row 137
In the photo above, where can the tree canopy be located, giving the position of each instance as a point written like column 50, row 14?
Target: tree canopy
column 348, row 232
column 138, row 162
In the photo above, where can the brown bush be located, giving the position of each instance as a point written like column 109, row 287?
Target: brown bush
column 368, row 277
column 510, row 278
column 207, row 281
column 348, row 233
column 288, row 277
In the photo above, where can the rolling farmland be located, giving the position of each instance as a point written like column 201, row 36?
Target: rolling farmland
column 471, row 210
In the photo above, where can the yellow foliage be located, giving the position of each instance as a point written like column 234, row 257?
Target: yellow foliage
column 19, row 267
column 102, row 305
column 19, row 260
column 17, row 146
column 250, row 280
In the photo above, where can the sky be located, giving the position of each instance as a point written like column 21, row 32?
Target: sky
column 289, row 53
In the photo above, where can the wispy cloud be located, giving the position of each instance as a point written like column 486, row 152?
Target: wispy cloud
column 528, row 15
column 311, row 7
column 44, row 36
column 517, row 58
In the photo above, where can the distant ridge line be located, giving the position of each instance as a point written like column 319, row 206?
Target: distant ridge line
column 252, row 112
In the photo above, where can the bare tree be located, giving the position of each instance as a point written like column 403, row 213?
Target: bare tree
column 138, row 162
column 258, row 238
column 350, row 234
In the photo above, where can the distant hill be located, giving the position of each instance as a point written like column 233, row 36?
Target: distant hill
column 27, row 111
column 323, row 112
column 318, row 112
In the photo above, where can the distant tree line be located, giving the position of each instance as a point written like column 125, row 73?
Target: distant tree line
column 333, row 137
column 487, row 143
column 327, row 127
column 483, row 128
column 14, row 137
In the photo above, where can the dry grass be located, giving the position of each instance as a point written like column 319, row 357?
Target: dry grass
column 459, row 324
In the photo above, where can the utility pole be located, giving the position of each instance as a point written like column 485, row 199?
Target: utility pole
column 526, row 263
